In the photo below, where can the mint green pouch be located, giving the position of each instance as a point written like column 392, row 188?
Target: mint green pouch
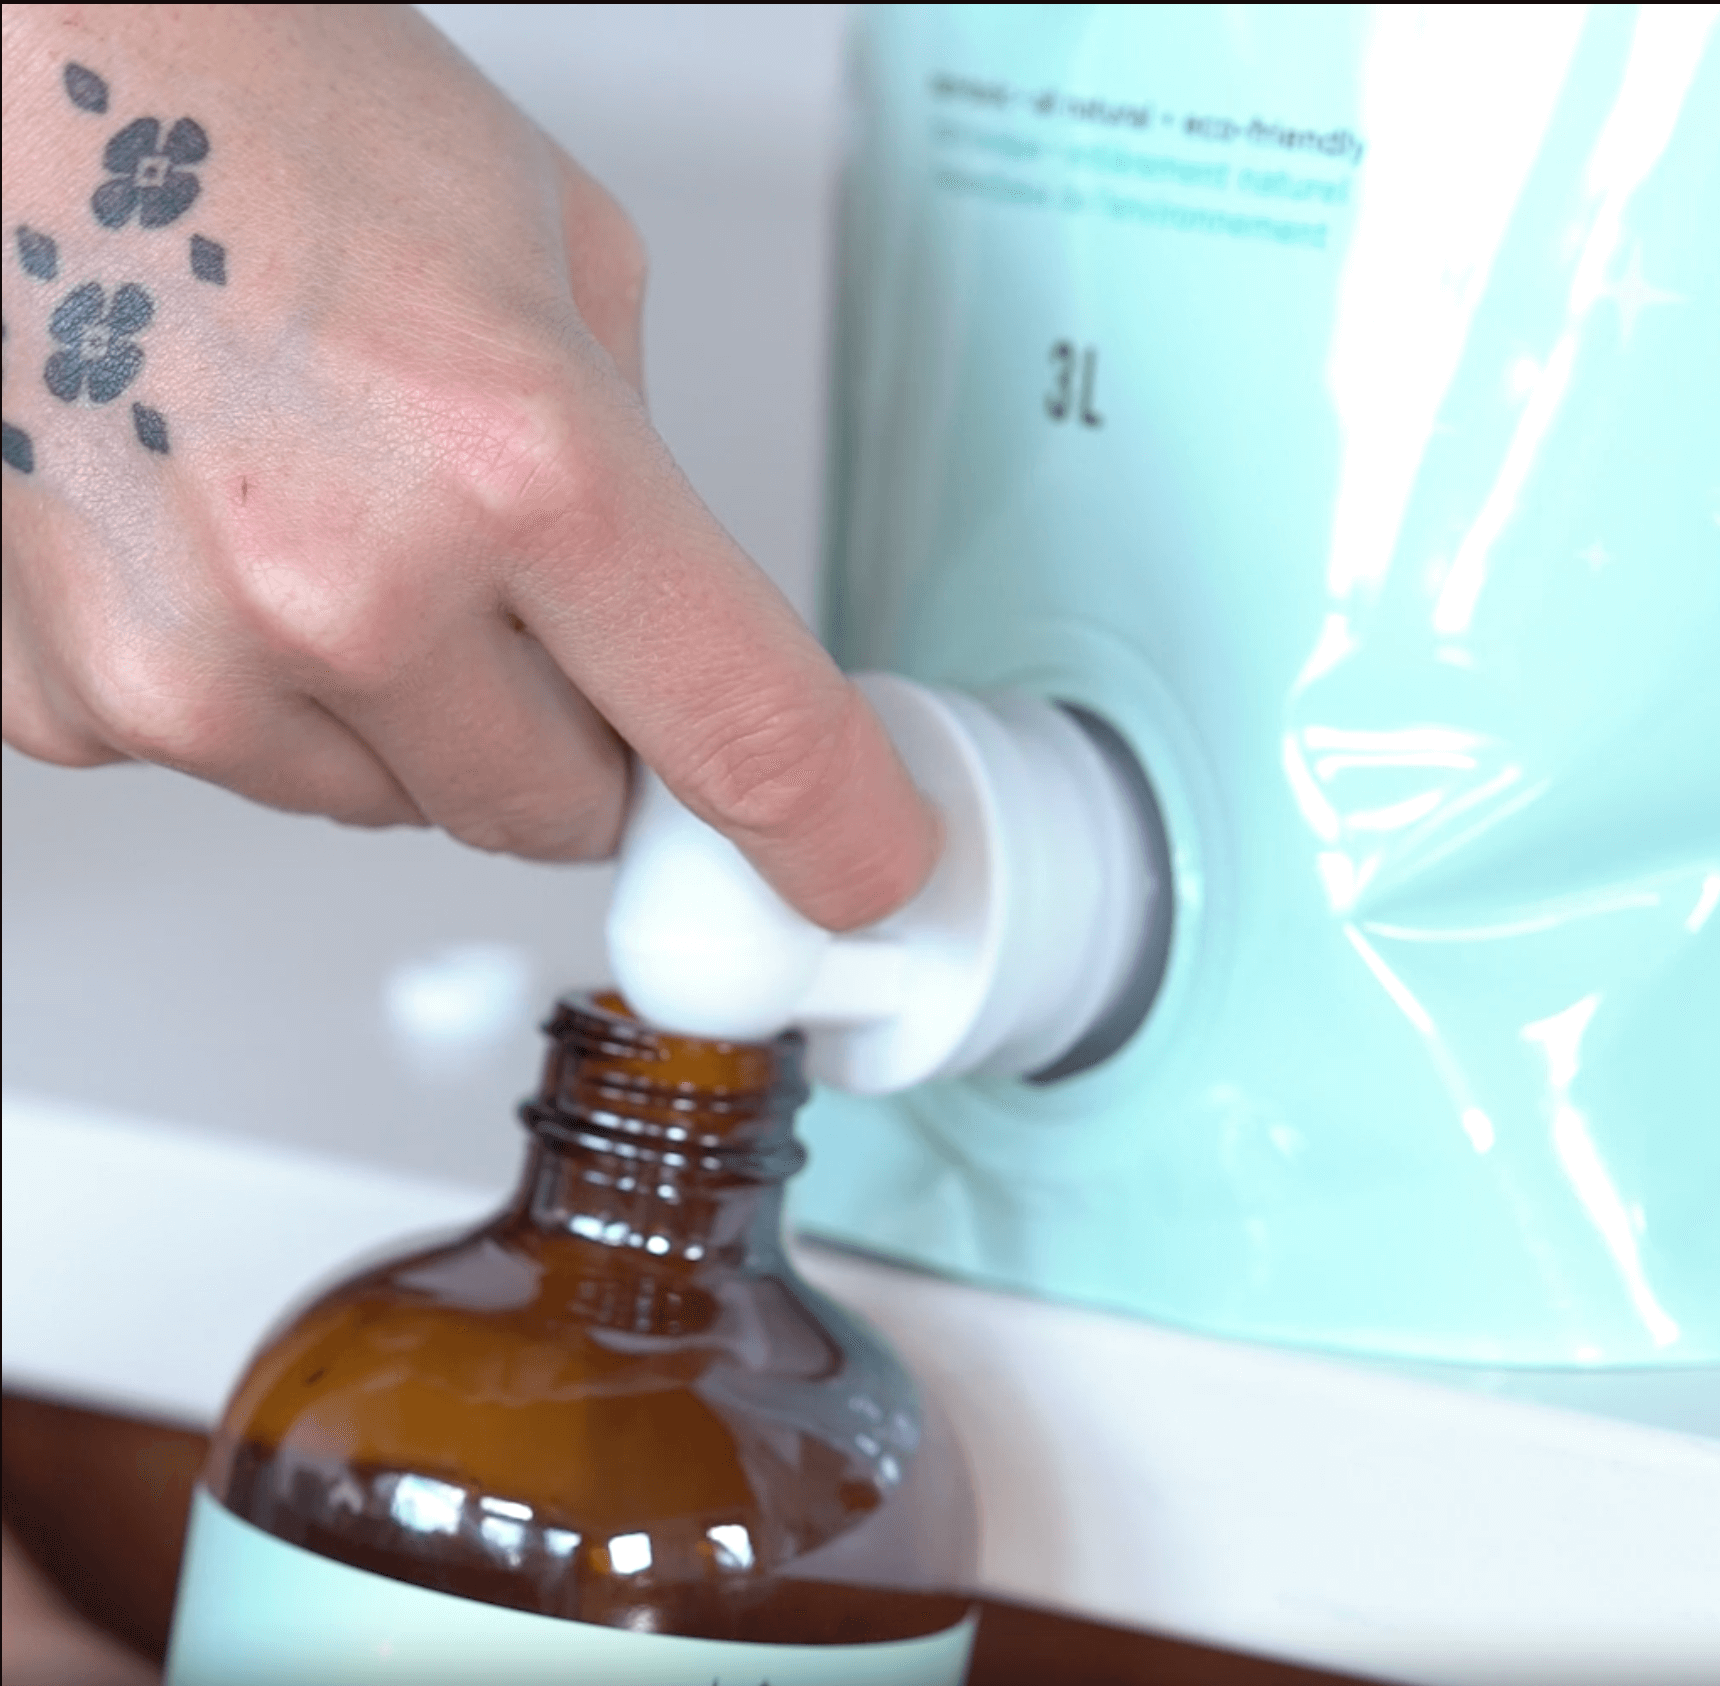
column 1330, row 399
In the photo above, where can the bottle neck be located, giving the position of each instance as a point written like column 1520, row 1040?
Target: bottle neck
column 669, row 1150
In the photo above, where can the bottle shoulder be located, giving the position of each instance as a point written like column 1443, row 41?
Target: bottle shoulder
column 601, row 1394
column 616, row 1401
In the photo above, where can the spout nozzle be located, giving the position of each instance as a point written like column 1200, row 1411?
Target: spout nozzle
column 700, row 943
column 1024, row 953
column 860, row 980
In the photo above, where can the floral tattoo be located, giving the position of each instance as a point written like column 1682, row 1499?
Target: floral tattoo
column 149, row 174
column 96, row 354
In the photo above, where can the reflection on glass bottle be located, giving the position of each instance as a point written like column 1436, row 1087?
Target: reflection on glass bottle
column 614, row 1403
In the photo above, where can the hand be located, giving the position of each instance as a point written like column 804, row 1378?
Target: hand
column 329, row 478
column 44, row 1642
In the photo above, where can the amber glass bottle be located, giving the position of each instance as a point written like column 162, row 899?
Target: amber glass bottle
column 609, row 1435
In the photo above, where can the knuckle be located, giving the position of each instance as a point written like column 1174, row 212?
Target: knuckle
column 317, row 581
column 374, row 810
column 611, row 241
column 39, row 735
column 583, row 830
column 573, row 517
column 771, row 770
column 524, row 463
column 330, row 621
column 496, row 444
column 157, row 710
column 33, row 727
column 628, row 264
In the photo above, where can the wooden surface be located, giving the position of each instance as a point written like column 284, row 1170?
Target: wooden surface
column 99, row 1503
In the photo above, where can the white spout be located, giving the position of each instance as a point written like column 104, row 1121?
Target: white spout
column 1041, row 933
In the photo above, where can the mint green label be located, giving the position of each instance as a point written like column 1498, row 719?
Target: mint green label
column 255, row 1611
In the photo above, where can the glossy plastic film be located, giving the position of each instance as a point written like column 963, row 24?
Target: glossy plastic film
column 1328, row 401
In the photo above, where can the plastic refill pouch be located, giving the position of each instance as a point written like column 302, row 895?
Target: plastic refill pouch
column 1329, row 402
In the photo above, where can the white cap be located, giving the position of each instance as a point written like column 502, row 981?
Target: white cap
column 1041, row 933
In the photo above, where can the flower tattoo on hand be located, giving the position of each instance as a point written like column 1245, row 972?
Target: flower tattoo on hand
column 99, row 353
column 95, row 355
column 149, row 174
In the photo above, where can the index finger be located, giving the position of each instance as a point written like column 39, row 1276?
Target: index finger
column 692, row 654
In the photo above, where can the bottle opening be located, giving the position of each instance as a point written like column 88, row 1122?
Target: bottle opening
column 612, row 1081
